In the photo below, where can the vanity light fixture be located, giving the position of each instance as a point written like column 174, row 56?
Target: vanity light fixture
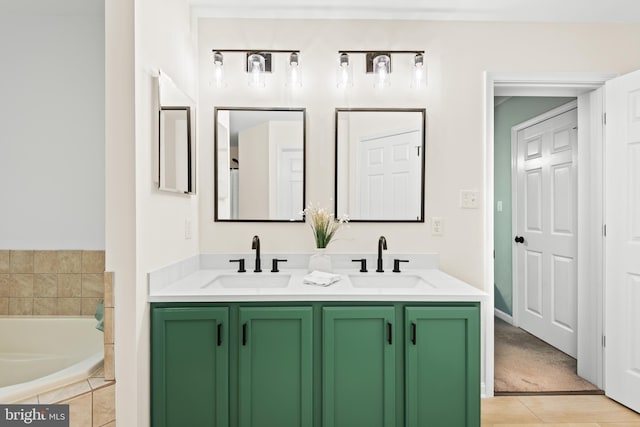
column 294, row 76
column 378, row 63
column 218, row 70
column 258, row 64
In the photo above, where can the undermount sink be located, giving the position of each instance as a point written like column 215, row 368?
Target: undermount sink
column 264, row 280
column 386, row 281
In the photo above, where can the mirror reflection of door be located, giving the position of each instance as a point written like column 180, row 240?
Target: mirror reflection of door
column 388, row 176
column 380, row 164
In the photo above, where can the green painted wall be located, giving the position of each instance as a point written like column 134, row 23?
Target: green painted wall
column 506, row 115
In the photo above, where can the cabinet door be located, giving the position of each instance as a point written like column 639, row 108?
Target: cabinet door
column 442, row 366
column 189, row 367
column 276, row 367
column 358, row 365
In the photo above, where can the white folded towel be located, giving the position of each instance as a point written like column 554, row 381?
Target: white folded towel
column 320, row 278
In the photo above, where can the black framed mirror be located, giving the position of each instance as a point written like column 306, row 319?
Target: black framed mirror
column 259, row 164
column 176, row 138
column 380, row 164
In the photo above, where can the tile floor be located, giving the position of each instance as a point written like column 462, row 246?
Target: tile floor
column 556, row 411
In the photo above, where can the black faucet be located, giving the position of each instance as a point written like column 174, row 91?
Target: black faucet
column 382, row 244
column 255, row 244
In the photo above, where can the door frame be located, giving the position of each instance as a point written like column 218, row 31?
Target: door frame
column 589, row 111
column 515, row 314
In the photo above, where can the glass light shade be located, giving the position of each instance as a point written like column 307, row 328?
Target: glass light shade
column 419, row 80
column 255, row 68
column 218, row 70
column 345, row 72
column 381, row 70
column 294, row 76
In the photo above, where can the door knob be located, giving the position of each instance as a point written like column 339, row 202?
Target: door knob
column 519, row 239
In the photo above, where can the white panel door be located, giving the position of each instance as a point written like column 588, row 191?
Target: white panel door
column 389, row 171
column 290, row 183
column 622, row 288
column 545, row 261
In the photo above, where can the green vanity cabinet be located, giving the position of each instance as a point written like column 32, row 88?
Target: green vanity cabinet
column 315, row 364
column 442, row 366
column 358, row 366
column 275, row 368
column 190, row 367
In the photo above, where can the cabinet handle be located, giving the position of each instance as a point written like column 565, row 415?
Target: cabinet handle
column 390, row 332
column 219, row 334
column 413, row 333
column 244, row 334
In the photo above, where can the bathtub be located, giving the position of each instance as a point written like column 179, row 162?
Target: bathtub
column 38, row 354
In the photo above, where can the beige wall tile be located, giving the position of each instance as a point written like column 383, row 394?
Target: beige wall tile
column 69, row 285
column 21, row 285
column 5, row 262
column 5, row 280
column 93, row 285
column 45, row 285
column 45, row 306
column 109, row 363
column 108, row 325
column 104, row 405
column 4, row 306
column 93, row 262
column 45, row 261
column 89, row 306
column 69, row 306
column 69, row 261
column 108, row 289
column 20, row 306
column 64, row 393
column 21, row 262
column 80, row 411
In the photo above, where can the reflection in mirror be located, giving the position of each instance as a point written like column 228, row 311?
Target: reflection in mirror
column 260, row 164
column 175, row 145
column 176, row 138
column 380, row 164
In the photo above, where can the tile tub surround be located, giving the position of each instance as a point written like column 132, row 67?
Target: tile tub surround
column 64, row 283
column 91, row 401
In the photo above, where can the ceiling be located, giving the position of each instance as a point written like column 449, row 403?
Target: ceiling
column 605, row 11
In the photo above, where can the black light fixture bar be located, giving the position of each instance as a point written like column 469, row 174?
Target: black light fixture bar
column 415, row 52
column 256, row 50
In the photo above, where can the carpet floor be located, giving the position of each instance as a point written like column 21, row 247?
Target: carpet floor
column 526, row 364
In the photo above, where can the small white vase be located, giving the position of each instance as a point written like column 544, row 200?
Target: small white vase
column 320, row 261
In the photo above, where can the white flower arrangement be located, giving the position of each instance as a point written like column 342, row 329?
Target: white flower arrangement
column 323, row 224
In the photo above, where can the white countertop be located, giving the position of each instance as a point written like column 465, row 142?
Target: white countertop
column 202, row 286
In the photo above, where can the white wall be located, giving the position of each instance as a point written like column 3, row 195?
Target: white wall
column 52, row 125
column 457, row 54
column 145, row 227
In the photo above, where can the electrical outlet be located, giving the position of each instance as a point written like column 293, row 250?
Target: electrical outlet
column 436, row 226
column 468, row 199
column 187, row 229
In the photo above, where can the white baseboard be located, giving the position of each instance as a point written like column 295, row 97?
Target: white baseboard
column 503, row 316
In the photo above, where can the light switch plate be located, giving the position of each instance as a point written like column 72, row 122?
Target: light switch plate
column 468, row 199
column 437, row 226
column 187, row 229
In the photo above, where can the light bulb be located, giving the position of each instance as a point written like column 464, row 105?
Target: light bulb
column 256, row 67
column 382, row 68
column 294, row 78
column 419, row 80
column 218, row 70
column 345, row 72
